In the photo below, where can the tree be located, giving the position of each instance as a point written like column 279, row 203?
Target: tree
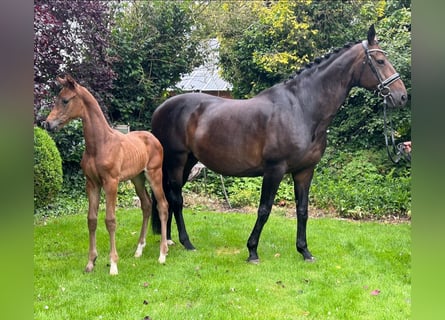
column 70, row 36
column 153, row 44
column 270, row 41
column 73, row 37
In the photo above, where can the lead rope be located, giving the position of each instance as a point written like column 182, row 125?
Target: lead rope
column 398, row 151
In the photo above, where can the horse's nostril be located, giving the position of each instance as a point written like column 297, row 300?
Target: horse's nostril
column 404, row 98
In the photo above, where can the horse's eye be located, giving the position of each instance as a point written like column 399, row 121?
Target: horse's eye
column 65, row 101
column 381, row 61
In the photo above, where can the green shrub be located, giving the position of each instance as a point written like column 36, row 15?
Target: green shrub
column 244, row 191
column 354, row 185
column 47, row 169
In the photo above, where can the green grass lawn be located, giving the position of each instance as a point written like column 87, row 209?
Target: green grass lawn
column 363, row 271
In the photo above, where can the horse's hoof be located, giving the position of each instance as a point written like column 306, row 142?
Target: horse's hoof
column 170, row 242
column 162, row 259
column 113, row 269
column 139, row 250
column 310, row 260
column 253, row 261
column 89, row 268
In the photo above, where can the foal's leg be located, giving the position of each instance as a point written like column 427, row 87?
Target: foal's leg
column 146, row 205
column 302, row 182
column 154, row 176
column 110, row 187
column 156, row 222
column 271, row 182
column 93, row 191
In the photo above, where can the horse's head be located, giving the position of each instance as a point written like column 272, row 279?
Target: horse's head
column 67, row 106
column 377, row 73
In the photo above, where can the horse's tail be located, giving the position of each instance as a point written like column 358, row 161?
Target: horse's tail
column 155, row 220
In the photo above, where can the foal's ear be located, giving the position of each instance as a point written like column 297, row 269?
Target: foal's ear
column 66, row 81
column 372, row 40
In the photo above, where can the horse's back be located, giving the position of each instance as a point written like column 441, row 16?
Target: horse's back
column 227, row 135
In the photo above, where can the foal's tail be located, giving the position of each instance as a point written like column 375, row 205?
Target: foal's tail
column 155, row 220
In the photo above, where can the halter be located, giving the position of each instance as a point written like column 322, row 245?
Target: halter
column 397, row 151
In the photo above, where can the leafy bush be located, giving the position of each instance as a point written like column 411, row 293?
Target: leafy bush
column 47, row 169
column 244, row 191
column 355, row 186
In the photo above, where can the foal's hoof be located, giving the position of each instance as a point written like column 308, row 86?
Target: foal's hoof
column 170, row 242
column 89, row 268
column 113, row 269
column 162, row 259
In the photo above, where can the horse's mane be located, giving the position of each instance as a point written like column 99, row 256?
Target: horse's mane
column 311, row 67
column 326, row 57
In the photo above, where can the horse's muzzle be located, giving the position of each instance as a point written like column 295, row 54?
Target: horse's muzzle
column 50, row 125
column 397, row 99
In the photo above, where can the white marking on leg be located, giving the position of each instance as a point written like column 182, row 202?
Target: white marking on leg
column 89, row 267
column 113, row 268
column 139, row 250
column 162, row 258
column 170, row 242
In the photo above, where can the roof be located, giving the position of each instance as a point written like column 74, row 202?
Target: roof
column 205, row 77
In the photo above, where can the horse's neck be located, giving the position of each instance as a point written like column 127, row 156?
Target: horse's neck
column 96, row 129
column 331, row 85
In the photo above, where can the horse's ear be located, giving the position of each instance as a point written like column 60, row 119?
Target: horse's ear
column 66, row 81
column 371, row 35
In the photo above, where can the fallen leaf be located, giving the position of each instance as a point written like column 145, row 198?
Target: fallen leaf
column 375, row 292
column 145, row 302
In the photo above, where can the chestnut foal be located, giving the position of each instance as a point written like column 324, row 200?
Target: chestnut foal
column 110, row 157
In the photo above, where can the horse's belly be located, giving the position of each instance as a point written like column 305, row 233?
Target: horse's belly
column 229, row 161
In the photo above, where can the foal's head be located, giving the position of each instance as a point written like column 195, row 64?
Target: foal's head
column 68, row 104
column 377, row 73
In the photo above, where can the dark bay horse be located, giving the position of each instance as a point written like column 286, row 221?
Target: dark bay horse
column 110, row 157
column 281, row 130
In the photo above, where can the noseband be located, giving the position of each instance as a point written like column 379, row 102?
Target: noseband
column 398, row 151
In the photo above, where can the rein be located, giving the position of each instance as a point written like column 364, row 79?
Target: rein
column 395, row 152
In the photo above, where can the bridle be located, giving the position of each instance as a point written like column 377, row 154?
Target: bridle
column 397, row 151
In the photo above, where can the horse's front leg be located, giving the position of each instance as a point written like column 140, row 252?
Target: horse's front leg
column 302, row 182
column 271, row 182
column 93, row 192
column 110, row 187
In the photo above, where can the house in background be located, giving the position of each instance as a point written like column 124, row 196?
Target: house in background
column 206, row 78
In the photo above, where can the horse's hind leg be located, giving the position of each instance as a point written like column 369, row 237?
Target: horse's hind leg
column 146, row 205
column 173, row 176
column 154, row 176
column 93, row 191
column 177, row 179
